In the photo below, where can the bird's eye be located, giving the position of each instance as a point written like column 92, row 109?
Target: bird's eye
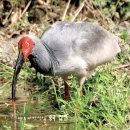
column 27, row 44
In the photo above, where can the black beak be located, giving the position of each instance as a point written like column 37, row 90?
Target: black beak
column 18, row 66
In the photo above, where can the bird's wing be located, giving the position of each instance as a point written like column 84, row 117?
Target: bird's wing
column 96, row 45
column 66, row 35
column 88, row 40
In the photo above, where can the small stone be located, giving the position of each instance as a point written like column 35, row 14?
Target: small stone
column 4, row 60
column 11, row 62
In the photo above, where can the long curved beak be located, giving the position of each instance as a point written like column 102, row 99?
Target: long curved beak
column 18, row 66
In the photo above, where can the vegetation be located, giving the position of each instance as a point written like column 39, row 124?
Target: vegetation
column 105, row 104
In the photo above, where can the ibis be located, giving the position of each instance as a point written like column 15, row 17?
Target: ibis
column 67, row 48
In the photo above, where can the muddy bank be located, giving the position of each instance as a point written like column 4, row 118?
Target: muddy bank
column 8, row 51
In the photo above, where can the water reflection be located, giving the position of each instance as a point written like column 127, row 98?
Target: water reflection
column 14, row 120
column 24, row 117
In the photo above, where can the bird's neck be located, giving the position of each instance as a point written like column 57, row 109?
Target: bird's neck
column 44, row 60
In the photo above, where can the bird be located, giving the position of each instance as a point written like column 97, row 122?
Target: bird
column 67, row 48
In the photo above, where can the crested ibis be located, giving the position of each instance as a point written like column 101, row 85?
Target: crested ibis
column 67, row 48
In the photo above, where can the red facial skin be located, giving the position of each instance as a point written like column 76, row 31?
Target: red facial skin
column 25, row 46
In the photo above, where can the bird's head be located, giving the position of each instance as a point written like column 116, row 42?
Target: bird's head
column 25, row 46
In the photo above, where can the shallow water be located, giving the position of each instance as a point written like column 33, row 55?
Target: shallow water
column 28, row 116
column 12, row 124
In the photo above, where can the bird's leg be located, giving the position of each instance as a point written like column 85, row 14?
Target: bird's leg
column 82, row 79
column 80, row 90
column 81, row 82
column 66, row 91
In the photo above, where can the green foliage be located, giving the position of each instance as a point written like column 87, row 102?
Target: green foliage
column 105, row 103
column 101, row 3
column 115, row 10
column 125, row 35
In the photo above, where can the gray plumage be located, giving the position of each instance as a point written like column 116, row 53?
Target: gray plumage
column 73, row 48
